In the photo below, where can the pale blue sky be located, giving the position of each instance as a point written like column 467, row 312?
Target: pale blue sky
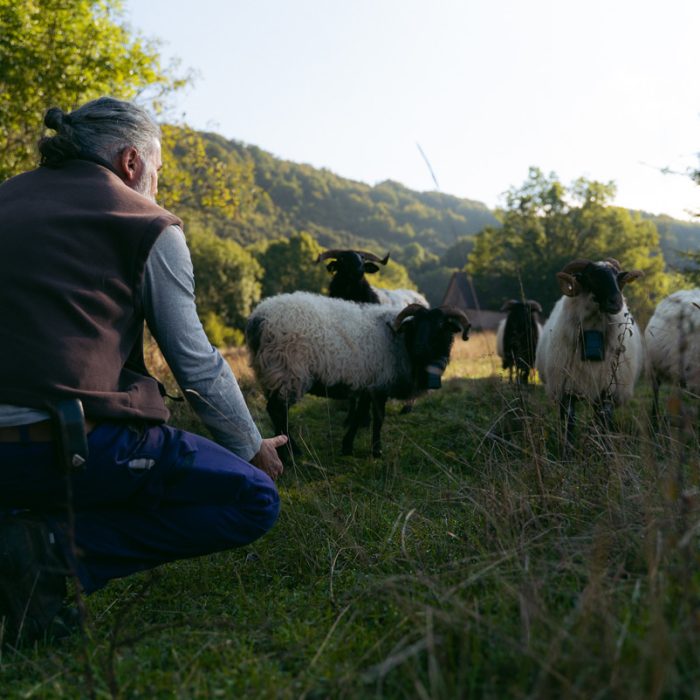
column 605, row 89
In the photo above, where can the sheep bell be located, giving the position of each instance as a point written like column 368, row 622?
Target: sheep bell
column 435, row 371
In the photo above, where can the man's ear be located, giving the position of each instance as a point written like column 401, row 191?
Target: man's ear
column 568, row 284
column 129, row 164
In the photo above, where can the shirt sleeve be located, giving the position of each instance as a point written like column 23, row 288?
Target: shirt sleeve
column 204, row 376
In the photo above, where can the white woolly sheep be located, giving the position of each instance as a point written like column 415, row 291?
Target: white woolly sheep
column 349, row 268
column 306, row 343
column 673, row 343
column 590, row 348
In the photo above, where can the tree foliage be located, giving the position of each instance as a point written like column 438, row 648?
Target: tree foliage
column 290, row 266
column 199, row 178
column 545, row 225
column 228, row 283
column 58, row 53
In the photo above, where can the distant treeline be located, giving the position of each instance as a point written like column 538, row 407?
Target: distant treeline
column 254, row 201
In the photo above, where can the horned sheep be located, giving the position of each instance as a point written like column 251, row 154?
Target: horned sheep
column 307, row 343
column 349, row 268
column 590, row 347
column 673, row 343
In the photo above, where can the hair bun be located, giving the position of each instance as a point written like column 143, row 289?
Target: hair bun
column 54, row 118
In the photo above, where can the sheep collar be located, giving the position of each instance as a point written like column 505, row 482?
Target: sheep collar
column 592, row 345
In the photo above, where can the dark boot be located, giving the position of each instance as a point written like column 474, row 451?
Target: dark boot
column 32, row 583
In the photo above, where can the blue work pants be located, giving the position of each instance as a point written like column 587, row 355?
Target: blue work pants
column 147, row 495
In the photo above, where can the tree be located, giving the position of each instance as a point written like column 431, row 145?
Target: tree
column 58, row 53
column 227, row 281
column 434, row 282
column 290, row 266
column 199, row 178
column 392, row 276
column 415, row 257
column 544, row 226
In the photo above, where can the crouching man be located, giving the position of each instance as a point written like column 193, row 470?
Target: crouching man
column 87, row 257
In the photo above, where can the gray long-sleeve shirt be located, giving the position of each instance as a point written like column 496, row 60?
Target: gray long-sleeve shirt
column 203, row 375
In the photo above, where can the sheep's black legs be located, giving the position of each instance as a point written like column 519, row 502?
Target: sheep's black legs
column 361, row 410
column 378, row 412
column 277, row 409
column 362, row 418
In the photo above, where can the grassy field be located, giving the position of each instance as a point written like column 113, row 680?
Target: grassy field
column 469, row 561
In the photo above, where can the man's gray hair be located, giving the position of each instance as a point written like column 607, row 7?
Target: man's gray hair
column 100, row 129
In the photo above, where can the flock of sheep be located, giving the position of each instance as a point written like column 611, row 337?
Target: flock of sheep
column 371, row 345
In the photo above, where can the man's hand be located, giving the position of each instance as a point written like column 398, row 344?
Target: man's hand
column 267, row 458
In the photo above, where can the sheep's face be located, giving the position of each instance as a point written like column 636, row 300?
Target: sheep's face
column 602, row 280
column 429, row 334
column 351, row 266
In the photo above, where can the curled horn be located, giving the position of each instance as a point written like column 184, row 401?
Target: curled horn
column 410, row 310
column 576, row 266
column 462, row 320
column 534, row 305
column 614, row 263
column 329, row 254
column 373, row 257
column 568, row 283
column 509, row 305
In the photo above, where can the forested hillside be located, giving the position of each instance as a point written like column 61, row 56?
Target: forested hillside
column 278, row 197
column 283, row 213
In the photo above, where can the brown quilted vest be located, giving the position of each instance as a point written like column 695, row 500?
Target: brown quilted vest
column 73, row 245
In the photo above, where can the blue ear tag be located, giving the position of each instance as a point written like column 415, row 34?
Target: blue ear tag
column 593, row 348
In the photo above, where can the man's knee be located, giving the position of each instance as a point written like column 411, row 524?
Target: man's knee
column 264, row 505
column 254, row 513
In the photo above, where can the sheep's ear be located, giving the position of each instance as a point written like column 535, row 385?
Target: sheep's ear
column 568, row 284
column 509, row 305
column 624, row 278
column 371, row 267
column 332, row 266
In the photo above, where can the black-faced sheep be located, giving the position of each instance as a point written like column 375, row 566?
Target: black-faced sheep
column 306, row 343
column 673, row 343
column 517, row 336
column 349, row 282
column 590, row 348
column 349, row 268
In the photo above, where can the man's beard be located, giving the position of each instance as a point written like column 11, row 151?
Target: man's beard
column 143, row 187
